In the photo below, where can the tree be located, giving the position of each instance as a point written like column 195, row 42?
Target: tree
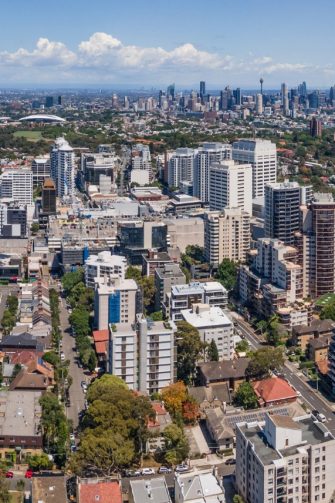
column 39, row 462
column 157, row 316
column 190, row 411
column 328, row 311
column 238, row 499
column 146, row 283
column 176, row 444
column 245, row 396
column 242, row 346
column 189, row 348
column 174, row 396
column 54, row 426
column 71, row 279
column 227, row 274
column 265, row 360
column 80, row 320
column 4, row 491
column 212, row 352
column 34, row 228
column 52, row 358
column 262, row 326
column 273, row 331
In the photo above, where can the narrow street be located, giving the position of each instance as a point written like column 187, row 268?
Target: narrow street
column 77, row 396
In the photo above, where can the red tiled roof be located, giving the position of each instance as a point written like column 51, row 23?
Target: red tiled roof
column 24, row 356
column 273, row 389
column 101, row 347
column 102, row 492
column 100, row 335
column 159, row 408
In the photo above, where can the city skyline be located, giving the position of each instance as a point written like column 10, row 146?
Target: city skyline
column 154, row 45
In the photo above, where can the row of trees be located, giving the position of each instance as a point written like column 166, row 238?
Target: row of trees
column 80, row 298
column 54, row 428
column 147, row 285
column 10, row 314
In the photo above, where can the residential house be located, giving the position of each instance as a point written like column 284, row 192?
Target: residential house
column 222, row 438
column 232, row 372
column 101, row 490
column 149, row 491
column 302, row 334
column 273, row 391
column 198, row 487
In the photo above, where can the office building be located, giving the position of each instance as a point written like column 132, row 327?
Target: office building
column 212, row 324
column 262, row 155
column 40, row 168
column 230, row 186
column 137, row 237
column 202, row 89
column 285, row 460
column 17, row 185
column 49, row 197
column 282, row 209
column 95, row 165
column 227, row 235
column 49, row 102
column 63, row 168
column 165, row 278
column 205, row 156
column 183, row 296
column 143, row 355
column 13, row 220
column 141, row 159
column 181, row 166
column 316, row 244
column 315, row 127
column 104, row 264
column 115, row 301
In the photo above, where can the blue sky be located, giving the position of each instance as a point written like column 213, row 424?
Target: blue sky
column 108, row 42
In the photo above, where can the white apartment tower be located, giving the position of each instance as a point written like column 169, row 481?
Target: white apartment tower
column 63, row 168
column 104, row 264
column 227, row 235
column 206, row 155
column 262, row 155
column 230, row 186
column 141, row 158
column 17, row 184
column 180, row 168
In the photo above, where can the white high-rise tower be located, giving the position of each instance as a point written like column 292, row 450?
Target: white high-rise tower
column 62, row 167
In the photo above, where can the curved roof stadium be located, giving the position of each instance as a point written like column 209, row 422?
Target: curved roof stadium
column 42, row 118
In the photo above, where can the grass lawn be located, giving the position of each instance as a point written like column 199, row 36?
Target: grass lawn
column 29, row 135
column 325, row 299
column 16, row 497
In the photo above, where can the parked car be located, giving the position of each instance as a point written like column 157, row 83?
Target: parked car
column 132, row 473
column 28, row 474
column 164, row 469
column 182, row 468
column 62, row 356
column 148, row 471
column 84, row 385
column 321, row 417
column 72, row 437
column 9, row 475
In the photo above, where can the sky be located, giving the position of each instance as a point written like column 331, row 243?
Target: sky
column 151, row 43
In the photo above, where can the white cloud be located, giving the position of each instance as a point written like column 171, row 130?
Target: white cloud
column 105, row 58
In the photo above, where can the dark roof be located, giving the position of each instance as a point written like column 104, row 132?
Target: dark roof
column 26, row 380
column 318, row 326
column 49, row 489
column 24, row 340
column 210, row 393
column 320, row 342
column 227, row 369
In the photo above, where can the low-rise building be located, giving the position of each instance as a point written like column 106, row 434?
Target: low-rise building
column 318, row 349
column 273, row 391
column 201, row 486
column 232, row 372
column 154, row 260
column 213, row 325
column 165, row 278
column 303, row 334
column 149, row 491
column 102, row 490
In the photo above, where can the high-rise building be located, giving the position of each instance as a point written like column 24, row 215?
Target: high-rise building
column 230, row 186
column 94, row 165
column 315, row 127
column 170, row 92
column 237, row 96
column 202, row 89
column 227, row 235
column 63, row 168
column 40, row 168
column 206, row 155
column 17, row 185
column 115, row 301
column 143, row 354
column 141, row 159
column 259, row 104
column 181, row 166
column 282, row 209
column 59, row 100
column 49, row 197
column 13, row 221
column 136, row 238
column 165, row 277
column 262, row 155
column 49, row 102
column 316, row 243
column 284, row 98
column 104, row 264
column 285, row 459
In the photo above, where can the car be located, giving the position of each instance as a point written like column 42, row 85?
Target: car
column 68, row 403
column 72, row 437
column 9, row 475
column 315, row 412
column 230, row 461
column 132, row 473
column 62, row 356
column 148, row 471
column 80, row 365
column 321, row 417
column 28, row 474
column 164, row 469
column 182, row 468
column 84, row 385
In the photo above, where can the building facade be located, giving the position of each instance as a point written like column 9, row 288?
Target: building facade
column 63, row 168
column 181, row 166
column 17, row 185
column 104, row 264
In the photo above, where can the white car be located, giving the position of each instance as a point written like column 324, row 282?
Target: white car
column 321, row 417
column 72, row 437
column 148, row 471
column 62, row 356
column 182, row 468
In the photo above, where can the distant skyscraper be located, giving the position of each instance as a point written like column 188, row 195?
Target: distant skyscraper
column 59, row 100
column 262, row 155
column 332, row 95
column 315, row 127
column 282, row 209
column 237, row 96
column 302, row 89
column 63, row 167
column 202, row 89
column 259, row 104
column 49, row 197
column 171, row 92
column 49, row 102
column 284, row 98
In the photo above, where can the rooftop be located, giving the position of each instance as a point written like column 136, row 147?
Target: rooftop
column 45, row 489
column 202, row 316
column 99, row 490
column 273, row 389
column 149, row 491
column 197, row 287
column 20, row 413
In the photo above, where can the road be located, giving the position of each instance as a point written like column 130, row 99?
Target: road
column 312, row 398
column 77, row 397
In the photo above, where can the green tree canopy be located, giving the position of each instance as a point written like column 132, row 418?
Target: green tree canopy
column 265, row 360
column 176, row 444
column 212, row 352
column 189, row 348
column 71, row 279
column 245, row 396
column 227, row 274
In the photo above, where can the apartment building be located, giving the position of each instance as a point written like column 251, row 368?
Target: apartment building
column 143, row 355
column 17, row 185
column 214, row 324
column 227, row 235
column 165, row 278
column 180, row 166
column 206, row 155
column 62, row 167
column 285, row 460
column 183, row 296
column 115, row 301
column 262, row 155
column 230, row 186
column 104, row 264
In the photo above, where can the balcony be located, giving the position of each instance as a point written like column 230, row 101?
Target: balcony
column 281, row 481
